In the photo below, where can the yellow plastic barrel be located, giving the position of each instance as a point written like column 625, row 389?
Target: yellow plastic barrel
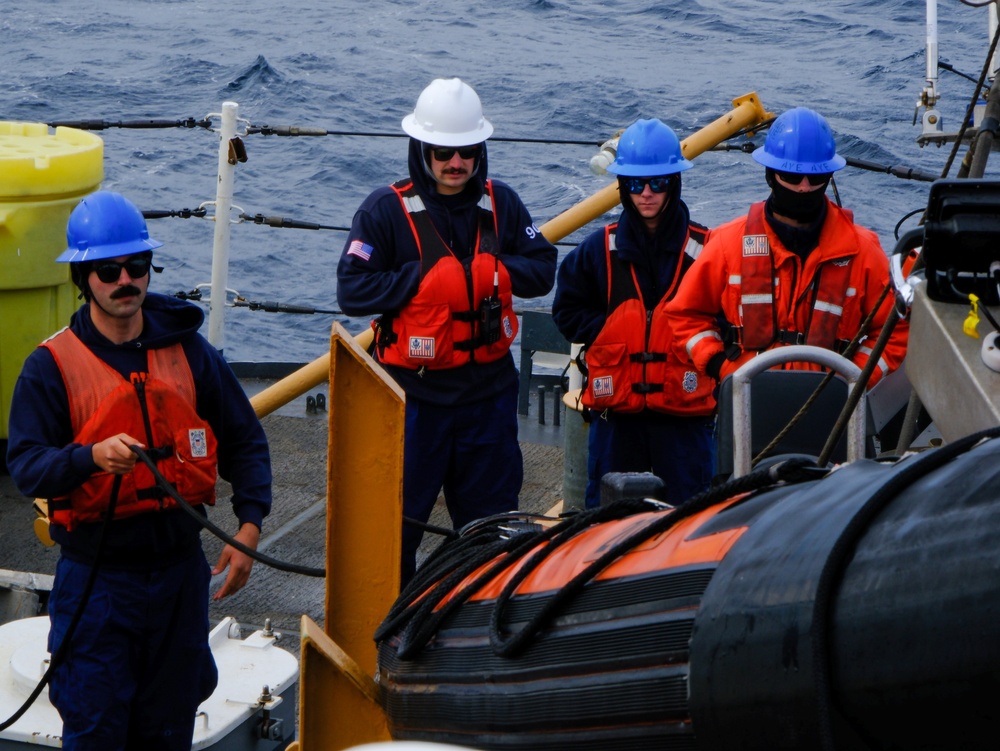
column 43, row 175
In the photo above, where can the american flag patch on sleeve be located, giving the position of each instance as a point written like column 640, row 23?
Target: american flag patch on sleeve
column 360, row 249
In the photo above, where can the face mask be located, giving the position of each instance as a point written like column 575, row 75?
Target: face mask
column 802, row 207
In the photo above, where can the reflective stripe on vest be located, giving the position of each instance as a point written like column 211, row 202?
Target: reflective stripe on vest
column 157, row 408
column 631, row 365
column 758, row 312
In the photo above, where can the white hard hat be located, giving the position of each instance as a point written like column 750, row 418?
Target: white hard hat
column 448, row 113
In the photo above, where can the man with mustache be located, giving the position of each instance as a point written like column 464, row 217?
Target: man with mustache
column 132, row 370
column 795, row 270
column 438, row 257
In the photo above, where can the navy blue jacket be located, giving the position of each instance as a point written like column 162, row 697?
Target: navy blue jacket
column 44, row 462
column 580, row 307
column 386, row 280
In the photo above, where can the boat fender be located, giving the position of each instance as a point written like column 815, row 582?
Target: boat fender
column 991, row 351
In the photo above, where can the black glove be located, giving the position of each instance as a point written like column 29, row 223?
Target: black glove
column 714, row 366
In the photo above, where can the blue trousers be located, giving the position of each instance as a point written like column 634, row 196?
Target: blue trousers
column 678, row 450
column 139, row 662
column 470, row 452
column 598, row 458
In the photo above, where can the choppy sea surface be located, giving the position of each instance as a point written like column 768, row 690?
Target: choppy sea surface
column 556, row 71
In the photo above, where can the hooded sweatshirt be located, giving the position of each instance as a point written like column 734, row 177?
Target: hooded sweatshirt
column 45, row 462
column 580, row 307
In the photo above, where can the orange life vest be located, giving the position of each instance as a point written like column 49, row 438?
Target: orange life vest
column 631, row 365
column 758, row 329
column 446, row 324
column 157, row 408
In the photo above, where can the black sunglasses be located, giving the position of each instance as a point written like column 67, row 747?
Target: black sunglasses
column 794, row 178
column 635, row 185
column 109, row 271
column 445, row 153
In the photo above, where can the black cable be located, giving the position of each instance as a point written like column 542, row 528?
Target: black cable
column 904, row 173
column 293, row 130
column 163, row 483
column 967, row 118
column 899, row 224
column 282, row 222
column 951, row 69
column 199, row 213
column 269, row 306
column 860, row 386
column 189, row 122
column 445, row 532
column 789, row 470
column 60, row 654
column 417, row 613
column 454, row 566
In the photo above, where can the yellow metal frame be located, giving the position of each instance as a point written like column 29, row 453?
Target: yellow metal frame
column 364, row 497
column 338, row 698
column 339, row 702
column 747, row 111
column 343, row 702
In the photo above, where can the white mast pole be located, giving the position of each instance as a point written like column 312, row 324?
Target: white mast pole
column 995, row 66
column 932, row 52
column 220, row 247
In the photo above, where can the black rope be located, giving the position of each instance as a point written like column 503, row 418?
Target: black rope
column 163, row 483
column 789, row 470
column 848, row 353
column 860, row 386
column 418, row 612
column 449, row 565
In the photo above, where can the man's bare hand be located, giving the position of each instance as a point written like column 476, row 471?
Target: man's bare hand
column 114, row 455
column 239, row 563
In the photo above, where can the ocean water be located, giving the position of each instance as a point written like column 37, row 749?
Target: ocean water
column 544, row 69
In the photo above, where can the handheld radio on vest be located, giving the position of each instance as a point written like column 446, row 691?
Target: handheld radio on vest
column 489, row 313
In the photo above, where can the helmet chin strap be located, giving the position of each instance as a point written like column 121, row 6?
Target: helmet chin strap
column 79, row 273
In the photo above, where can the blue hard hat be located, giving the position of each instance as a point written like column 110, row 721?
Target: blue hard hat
column 648, row 148
column 800, row 141
column 105, row 225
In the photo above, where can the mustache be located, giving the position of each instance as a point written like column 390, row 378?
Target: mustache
column 129, row 290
